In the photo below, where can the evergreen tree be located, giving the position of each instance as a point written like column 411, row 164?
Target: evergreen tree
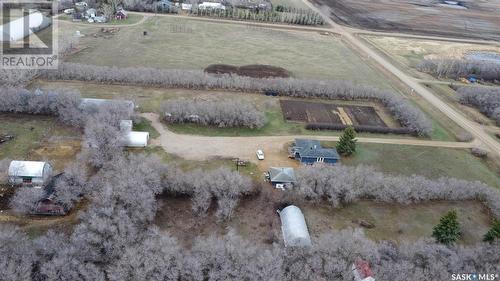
column 448, row 229
column 493, row 233
column 347, row 143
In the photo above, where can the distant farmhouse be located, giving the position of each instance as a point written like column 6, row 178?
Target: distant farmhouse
column 29, row 173
column 310, row 152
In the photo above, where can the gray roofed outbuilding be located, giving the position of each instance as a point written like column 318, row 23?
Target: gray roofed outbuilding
column 282, row 175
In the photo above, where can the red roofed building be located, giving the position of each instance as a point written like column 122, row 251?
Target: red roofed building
column 362, row 271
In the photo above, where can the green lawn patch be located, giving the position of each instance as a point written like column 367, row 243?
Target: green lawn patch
column 432, row 162
column 144, row 125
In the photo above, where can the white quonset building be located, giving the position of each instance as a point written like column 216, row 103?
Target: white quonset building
column 92, row 105
column 136, row 139
column 294, row 228
column 15, row 31
column 133, row 138
column 29, row 173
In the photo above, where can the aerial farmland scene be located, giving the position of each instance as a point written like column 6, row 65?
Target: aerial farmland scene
column 242, row 140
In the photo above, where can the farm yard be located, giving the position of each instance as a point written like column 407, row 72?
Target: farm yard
column 313, row 112
column 187, row 44
column 166, row 179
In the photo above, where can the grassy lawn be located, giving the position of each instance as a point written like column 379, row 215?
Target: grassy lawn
column 249, row 170
column 399, row 222
column 144, row 125
column 38, row 138
column 27, row 131
column 184, row 43
column 426, row 161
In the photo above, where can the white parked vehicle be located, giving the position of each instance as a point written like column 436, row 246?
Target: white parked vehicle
column 69, row 11
column 211, row 5
column 260, row 154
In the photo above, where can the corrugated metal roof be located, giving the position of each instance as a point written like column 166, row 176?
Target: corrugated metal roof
column 91, row 103
column 282, row 174
column 294, row 228
column 313, row 148
column 26, row 168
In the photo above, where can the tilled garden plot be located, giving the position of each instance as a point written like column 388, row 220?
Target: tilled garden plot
column 326, row 113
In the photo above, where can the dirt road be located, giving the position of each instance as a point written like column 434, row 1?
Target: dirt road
column 475, row 129
column 194, row 147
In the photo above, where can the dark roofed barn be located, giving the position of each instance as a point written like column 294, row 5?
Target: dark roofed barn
column 311, row 151
column 48, row 205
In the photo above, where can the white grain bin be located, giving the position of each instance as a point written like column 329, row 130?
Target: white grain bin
column 15, row 30
column 29, row 173
column 136, row 139
column 294, row 228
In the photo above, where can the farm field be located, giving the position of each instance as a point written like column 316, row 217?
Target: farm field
column 255, row 219
column 473, row 19
column 38, row 138
column 409, row 52
column 426, row 161
column 187, row 44
column 314, row 112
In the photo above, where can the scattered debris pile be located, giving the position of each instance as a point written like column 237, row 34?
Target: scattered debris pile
column 6, row 138
column 106, row 32
column 253, row 70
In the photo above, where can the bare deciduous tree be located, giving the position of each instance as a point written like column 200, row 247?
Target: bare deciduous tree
column 343, row 184
column 229, row 113
column 25, row 199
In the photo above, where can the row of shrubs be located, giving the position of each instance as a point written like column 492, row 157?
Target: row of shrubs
column 486, row 99
column 458, row 68
column 406, row 113
column 360, row 128
column 300, row 17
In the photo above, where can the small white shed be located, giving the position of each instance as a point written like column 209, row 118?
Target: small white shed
column 126, row 125
column 136, row 139
column 294, row 228
column 29, row 173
